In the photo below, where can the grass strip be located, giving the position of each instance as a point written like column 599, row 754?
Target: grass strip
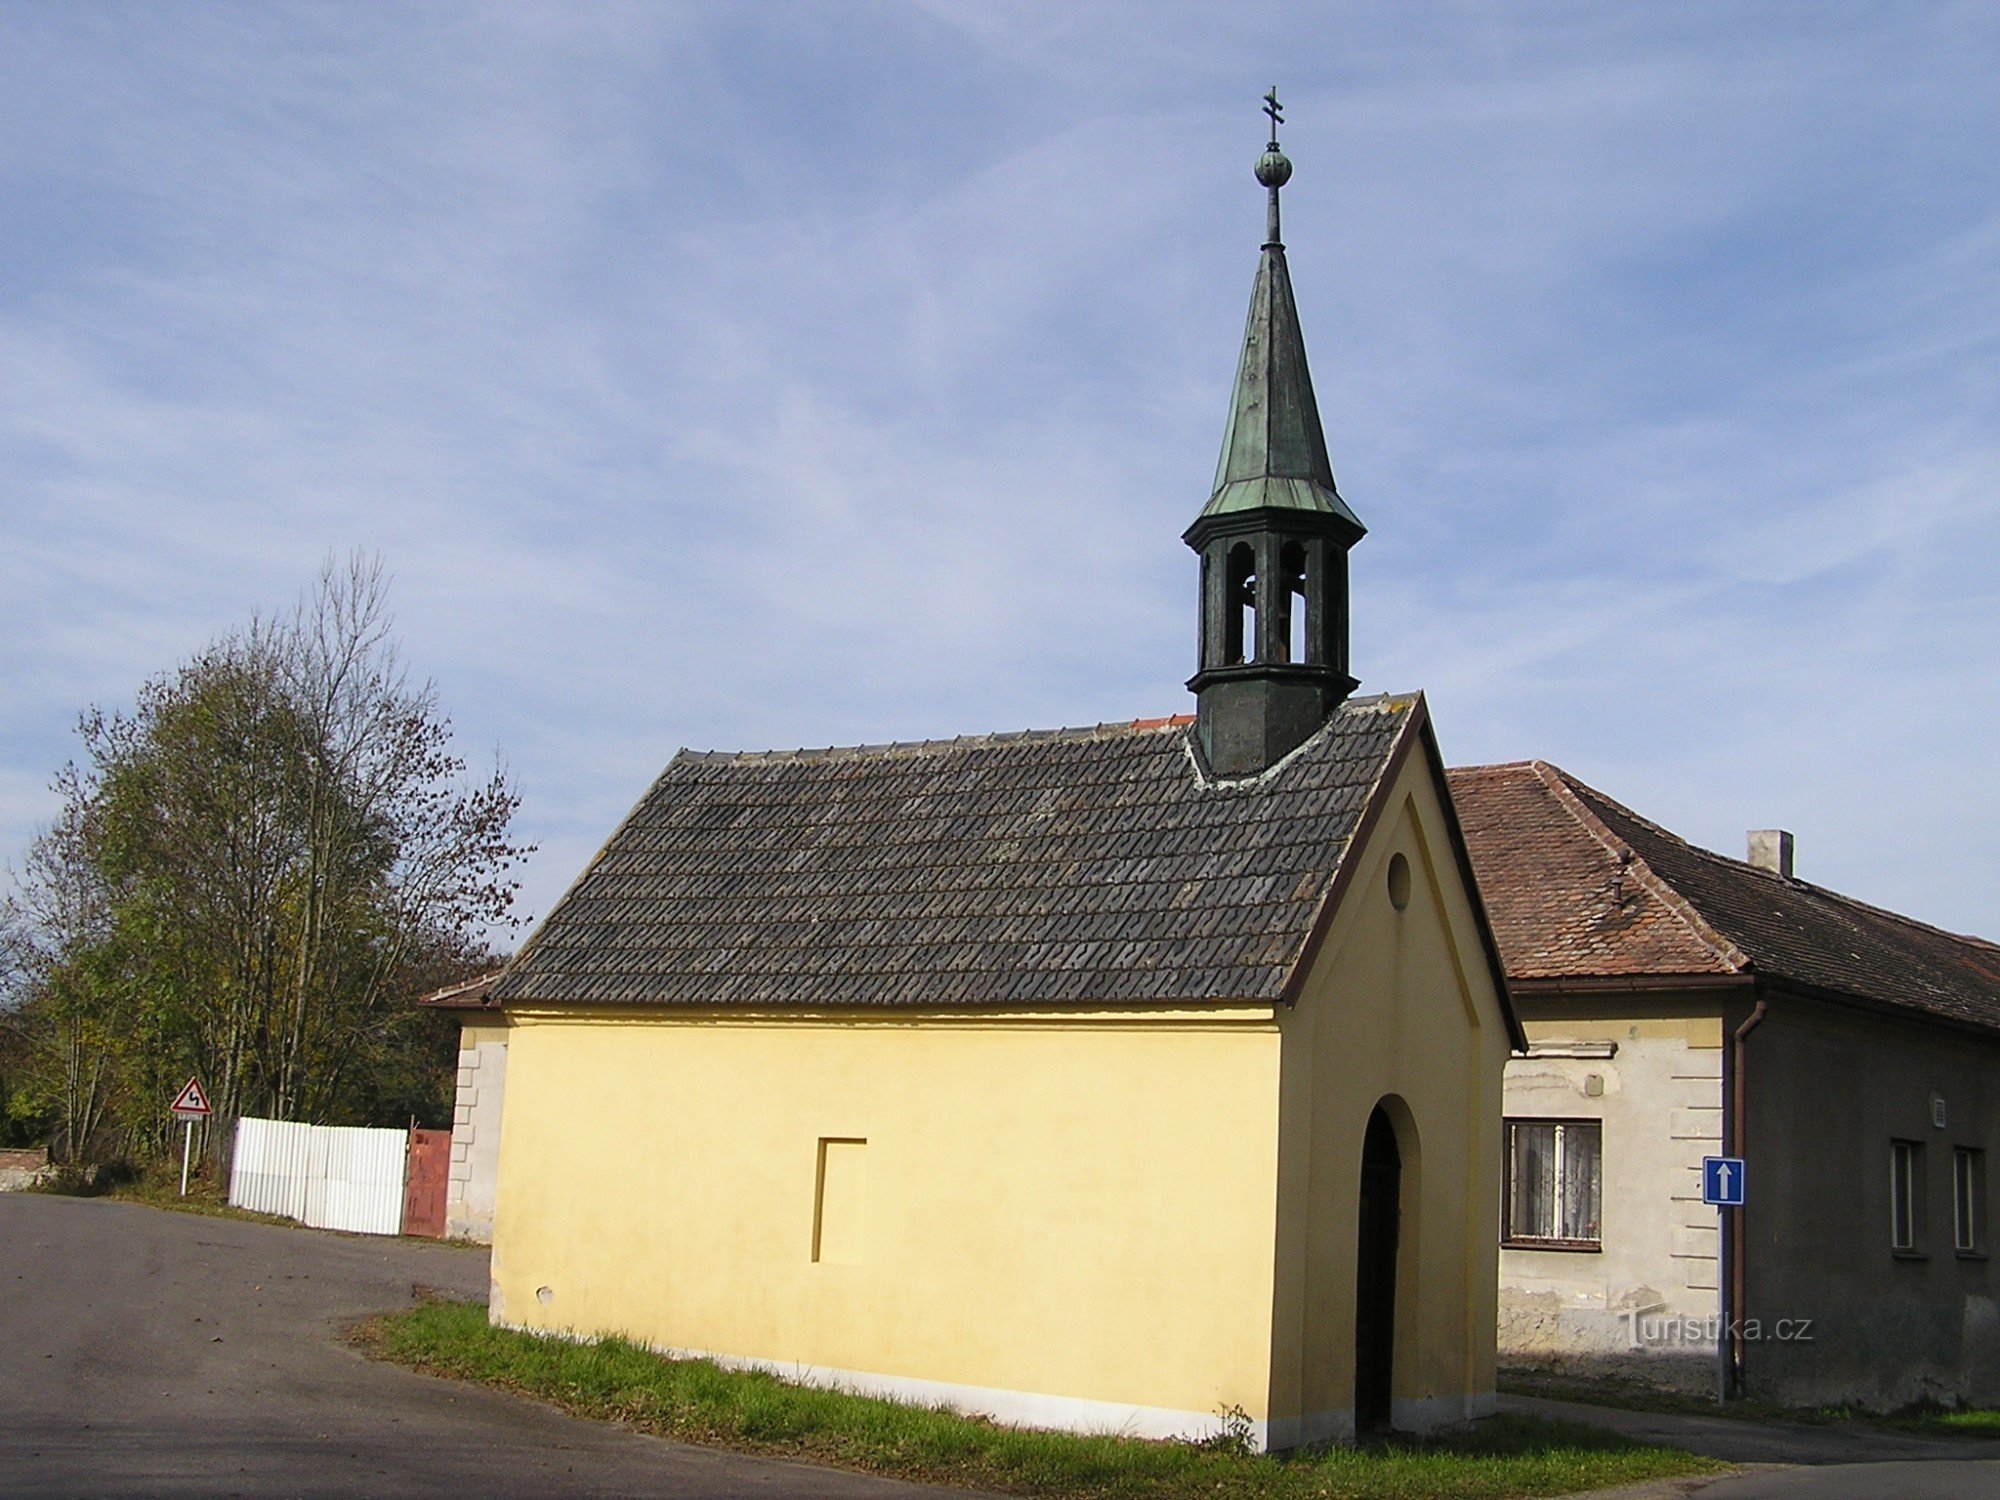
column 1942, row 1421
column 1978, row 1422
column 159, row 1187
column 695, row 1401
column 208, row 1197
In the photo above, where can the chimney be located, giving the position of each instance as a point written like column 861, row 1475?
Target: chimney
column 1771, row 849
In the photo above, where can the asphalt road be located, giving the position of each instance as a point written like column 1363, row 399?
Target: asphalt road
column 145, row 1353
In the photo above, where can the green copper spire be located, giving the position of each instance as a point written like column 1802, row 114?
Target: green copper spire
column 1273, row 540
column 1274, row 452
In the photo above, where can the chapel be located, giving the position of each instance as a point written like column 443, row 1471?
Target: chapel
column 1143, row 1077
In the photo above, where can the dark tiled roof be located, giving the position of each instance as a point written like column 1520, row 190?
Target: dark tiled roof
column 1579, row 886
column 1070, row 868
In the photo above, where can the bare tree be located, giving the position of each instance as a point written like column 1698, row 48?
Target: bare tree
column 397, row 847
column 253, row 857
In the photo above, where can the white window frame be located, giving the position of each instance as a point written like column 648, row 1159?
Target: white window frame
column 1968, row 1199
column 1906, row 1197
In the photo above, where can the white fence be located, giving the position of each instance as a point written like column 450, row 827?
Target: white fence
column 325, row 1176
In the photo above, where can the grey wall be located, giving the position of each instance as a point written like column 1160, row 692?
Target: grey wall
column 1828, row 1089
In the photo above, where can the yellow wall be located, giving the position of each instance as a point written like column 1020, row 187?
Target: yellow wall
column 1400, row 1004
column 1077, row 1207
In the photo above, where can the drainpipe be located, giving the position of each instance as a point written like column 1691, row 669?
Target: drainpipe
column 1733, row 1325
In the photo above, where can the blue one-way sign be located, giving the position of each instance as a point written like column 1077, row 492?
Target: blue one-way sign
column 1722, row 1181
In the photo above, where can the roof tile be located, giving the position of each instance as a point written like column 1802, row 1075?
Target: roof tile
column 1069, row 867
column 1578, row 886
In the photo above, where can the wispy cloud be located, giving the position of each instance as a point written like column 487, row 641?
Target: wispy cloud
column 709, row 378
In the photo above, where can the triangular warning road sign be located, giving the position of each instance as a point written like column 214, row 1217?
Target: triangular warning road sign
column 191, row 1102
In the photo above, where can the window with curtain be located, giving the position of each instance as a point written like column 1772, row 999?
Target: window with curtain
column 1555, row 1183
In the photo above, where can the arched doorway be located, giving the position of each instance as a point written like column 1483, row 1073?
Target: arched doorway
column 1375, row 1274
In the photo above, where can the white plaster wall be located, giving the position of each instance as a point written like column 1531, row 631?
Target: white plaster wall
column 475, row 1134
column 1659, row 1097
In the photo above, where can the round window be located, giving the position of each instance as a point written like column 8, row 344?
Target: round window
column 1399, row 881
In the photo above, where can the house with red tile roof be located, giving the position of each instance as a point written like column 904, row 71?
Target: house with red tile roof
column 1680, row 1005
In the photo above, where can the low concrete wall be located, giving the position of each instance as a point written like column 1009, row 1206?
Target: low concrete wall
column 22, row 1169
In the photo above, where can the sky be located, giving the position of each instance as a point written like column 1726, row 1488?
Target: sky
column 764, row 375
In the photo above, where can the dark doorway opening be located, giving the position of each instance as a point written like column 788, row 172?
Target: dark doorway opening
column 1375, row 1275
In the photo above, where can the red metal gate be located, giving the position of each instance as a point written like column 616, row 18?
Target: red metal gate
column 425, row 1183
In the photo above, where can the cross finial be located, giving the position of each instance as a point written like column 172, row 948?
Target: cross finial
column 1274, row 170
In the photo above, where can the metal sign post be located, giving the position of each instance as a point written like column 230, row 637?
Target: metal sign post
column 1722, row 1185
column 190, row 1105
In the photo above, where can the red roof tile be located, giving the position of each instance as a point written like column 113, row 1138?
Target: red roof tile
column 1579, row 886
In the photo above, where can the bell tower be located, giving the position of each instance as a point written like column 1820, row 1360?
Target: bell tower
column 1273, row 538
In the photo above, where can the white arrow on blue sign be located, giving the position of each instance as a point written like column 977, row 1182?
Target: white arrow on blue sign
column 1722, row 1181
